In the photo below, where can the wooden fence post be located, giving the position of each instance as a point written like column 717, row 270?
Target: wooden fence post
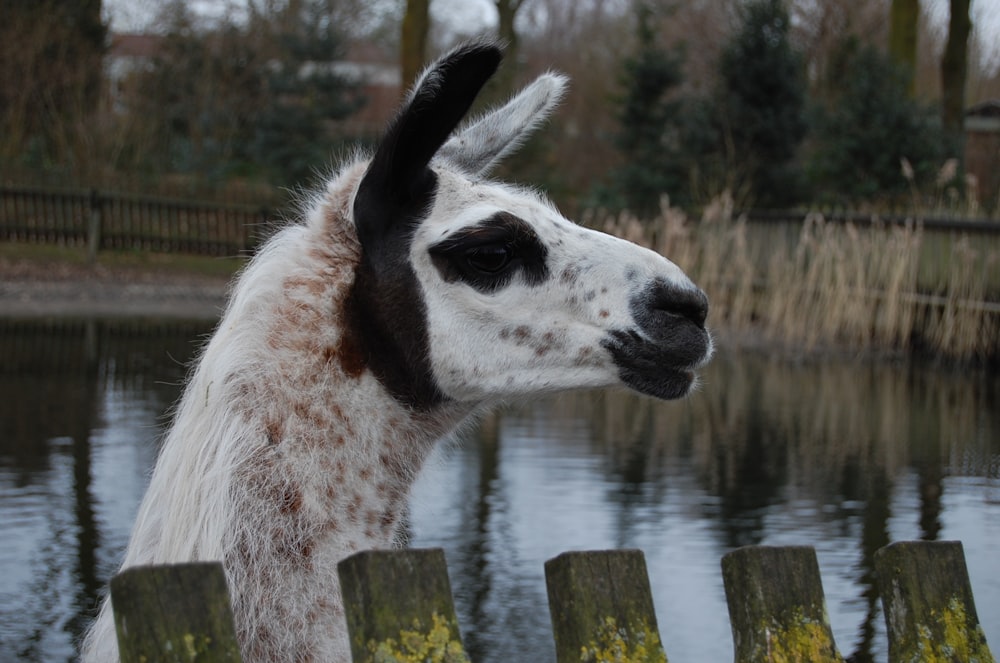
column 94, row 226
column 399, row 607
column 776, row 606
column 173, row 614
column 927, row 599
column 602, row 607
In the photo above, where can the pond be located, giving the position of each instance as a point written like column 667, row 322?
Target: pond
column 842, row 456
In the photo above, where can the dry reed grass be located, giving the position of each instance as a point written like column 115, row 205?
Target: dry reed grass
column 833, row 287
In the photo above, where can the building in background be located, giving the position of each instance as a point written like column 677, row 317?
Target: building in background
column 982, row 150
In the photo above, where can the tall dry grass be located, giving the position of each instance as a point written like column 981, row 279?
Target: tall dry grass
column 831, row 286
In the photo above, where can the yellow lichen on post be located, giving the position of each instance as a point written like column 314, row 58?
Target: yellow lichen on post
column 195, row 645
column 930, row 613
column 420, row 645
column 399, row 607
column 602, row 608
column 175, row 612
column 776, row 606
column 614, row 644
column 956, row 645
column 798, row 639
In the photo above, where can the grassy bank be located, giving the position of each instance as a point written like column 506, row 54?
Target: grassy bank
column 38, row 258
column 833, row 286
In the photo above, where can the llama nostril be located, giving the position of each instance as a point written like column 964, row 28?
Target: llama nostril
column 690, row 303
column 694, row 306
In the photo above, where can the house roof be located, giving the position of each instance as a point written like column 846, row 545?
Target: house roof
column 127, row 45
column 989, row 108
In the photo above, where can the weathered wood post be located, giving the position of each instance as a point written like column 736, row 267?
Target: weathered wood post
column 178, row 613
column 930, row 614
column 602, row 607
column 776, row 606
column 94, row 226
column 399, row 607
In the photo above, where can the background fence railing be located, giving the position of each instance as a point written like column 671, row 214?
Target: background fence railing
column 399, row 607
column 112, row 220
column 943, row 241
column 105, row 220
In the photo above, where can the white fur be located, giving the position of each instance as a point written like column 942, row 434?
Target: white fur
column 286, row 455
column 566, row 317
column 486, row 140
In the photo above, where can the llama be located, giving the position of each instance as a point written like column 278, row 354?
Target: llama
column 414, row 294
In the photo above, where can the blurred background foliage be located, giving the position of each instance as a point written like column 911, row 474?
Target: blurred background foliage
column 780, row 103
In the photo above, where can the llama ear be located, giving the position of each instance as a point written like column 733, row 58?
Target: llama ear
column 398, row 177
column 477, row 148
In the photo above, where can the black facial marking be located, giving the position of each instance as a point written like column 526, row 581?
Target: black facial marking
column 489, row 255
column 386, row 313
column 656, row 358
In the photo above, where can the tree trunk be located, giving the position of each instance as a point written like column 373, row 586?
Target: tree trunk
column 413, row 46
column 503, row 82
column 506, row 12
column 953, row 74
column 903, row 18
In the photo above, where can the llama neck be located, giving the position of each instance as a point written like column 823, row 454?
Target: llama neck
column 287, row 454
column 334, row 454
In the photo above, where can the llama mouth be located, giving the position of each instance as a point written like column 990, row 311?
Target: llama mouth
column 663, row 371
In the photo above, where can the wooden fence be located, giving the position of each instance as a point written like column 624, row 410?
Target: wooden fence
column 108, row 220
column 987, row 226
column 944, row 243
column 102, row 220
column 399, row 607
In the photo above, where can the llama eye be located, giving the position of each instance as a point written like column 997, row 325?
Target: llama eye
column 489, row 259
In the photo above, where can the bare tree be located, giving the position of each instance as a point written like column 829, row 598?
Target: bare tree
column 50, row 78
column 904, row 17
column 413, row 44
column 954, row 65
column 506, row 14
column 820, row 28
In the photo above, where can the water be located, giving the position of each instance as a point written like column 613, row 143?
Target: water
column 843, row 457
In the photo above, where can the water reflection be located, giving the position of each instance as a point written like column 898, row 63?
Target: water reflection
column 77, row 396
column 840, row 456
column 843, row 457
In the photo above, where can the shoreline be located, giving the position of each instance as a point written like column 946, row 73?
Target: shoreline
column 55, row 289
column 61, row 300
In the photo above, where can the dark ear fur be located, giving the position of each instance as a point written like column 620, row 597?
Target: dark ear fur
column 398, row 177
column 385, row 310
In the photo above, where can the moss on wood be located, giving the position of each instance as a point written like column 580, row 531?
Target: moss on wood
column 930, row 613
column 602, row 608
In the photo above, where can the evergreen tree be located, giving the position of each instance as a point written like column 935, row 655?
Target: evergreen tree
column 868, row 127
column 647, row 118
column 291, row 135
column 197, row 99
column 258, row 99
column 761, row 102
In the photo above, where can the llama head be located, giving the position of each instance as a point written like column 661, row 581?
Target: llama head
column 470, row 291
